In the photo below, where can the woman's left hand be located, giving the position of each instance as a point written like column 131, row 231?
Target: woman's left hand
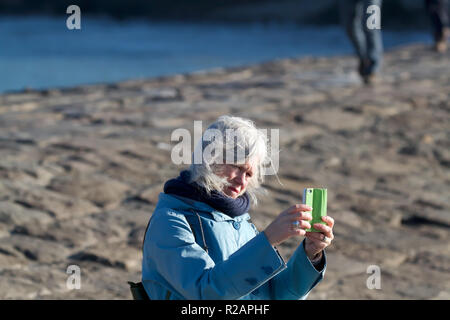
column 315, row 242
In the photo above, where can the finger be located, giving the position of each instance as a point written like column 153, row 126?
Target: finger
column 298, row 208
column 329, row 221
column 304, row 224
column 302, row 216
column 324, row 229
column 321, row 237
column 318, row 243
column 315, row 235
column 295, row 223
column 319, row 240
column 299, row 232
column 327, row 240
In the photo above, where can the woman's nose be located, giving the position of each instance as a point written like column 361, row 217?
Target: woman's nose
column 241, row 178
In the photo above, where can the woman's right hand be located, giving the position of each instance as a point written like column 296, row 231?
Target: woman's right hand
column 282, row 228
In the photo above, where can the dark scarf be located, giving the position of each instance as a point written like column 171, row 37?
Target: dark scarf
column 217, row 200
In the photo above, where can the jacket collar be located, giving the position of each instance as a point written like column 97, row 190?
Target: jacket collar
column 185, row 204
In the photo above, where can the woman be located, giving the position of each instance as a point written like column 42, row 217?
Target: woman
column 200, row 243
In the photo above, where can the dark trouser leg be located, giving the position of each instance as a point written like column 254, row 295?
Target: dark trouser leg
column 438, row 12
column 351, row 14
column 374, row 41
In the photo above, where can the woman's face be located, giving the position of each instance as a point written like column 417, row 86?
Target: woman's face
column 238, row 176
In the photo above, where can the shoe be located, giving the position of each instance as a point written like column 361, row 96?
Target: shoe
column 440, row 46
column 363, row 66
column 371, row 79
column 441, row 41
column 446, row 33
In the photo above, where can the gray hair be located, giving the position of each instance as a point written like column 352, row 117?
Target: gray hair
column 251, row 146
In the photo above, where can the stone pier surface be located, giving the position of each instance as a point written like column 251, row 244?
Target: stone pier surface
column 81, row 169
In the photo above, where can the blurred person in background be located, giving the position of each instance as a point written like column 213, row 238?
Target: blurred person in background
column 439, row 16
column 367, row 42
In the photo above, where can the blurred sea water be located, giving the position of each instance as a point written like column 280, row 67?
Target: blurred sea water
column 40, row 52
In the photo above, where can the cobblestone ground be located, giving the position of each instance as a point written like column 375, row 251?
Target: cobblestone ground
column 81, row 170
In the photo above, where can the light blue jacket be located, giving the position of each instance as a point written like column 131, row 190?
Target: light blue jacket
column 240, row 262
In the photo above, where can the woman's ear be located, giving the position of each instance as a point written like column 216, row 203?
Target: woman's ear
column 217, row 168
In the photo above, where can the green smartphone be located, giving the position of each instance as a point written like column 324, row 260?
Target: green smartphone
column 317, row 199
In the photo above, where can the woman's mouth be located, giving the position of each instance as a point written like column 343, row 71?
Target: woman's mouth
column 233, row 189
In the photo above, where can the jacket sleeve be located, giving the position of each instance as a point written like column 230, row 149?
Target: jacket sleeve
column 299, row 278
column 192, row 273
